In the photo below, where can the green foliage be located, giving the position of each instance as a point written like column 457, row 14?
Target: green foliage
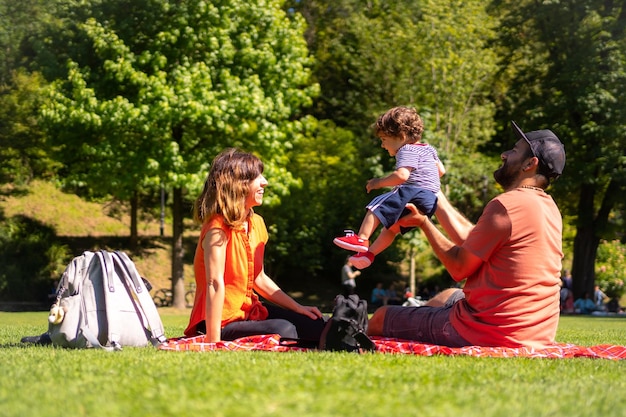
column 154, row 102
column 329, row 197
column 611, row 268
column 152, row 90
column 432, row 55
column 24, row 151
column 18, row 21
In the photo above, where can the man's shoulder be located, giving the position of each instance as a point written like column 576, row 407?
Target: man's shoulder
column 519, row 196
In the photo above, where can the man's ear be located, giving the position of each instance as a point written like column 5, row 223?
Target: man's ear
column 532, row 162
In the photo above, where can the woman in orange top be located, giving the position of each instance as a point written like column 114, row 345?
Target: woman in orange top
column 228, row 262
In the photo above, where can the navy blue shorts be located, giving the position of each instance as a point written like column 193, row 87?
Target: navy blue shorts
column 389, row 207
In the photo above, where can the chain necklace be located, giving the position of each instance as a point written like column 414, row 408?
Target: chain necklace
column 530, row 187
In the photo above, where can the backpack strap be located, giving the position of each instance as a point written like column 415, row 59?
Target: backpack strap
column 365, row 343
column 141, row 298
column 108, row 286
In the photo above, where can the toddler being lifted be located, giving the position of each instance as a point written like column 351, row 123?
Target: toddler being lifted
column 415, row 180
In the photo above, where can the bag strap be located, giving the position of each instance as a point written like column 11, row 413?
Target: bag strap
column 365, row 343
column 108, row 286
column 140, row 296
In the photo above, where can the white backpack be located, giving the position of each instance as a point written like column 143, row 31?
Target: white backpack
column 102, row 302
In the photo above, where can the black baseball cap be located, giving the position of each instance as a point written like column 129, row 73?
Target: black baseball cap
column 547, row 147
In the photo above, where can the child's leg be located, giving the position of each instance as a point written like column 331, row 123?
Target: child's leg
column 359, row 242
column 383, row 241
column 369, row 225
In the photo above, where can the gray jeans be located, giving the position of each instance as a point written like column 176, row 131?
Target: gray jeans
column 424, row 324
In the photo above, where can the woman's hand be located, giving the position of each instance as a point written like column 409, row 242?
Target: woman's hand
column 269, row 290
column 311, row 312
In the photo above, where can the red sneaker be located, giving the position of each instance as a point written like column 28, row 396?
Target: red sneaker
column 362, row 260
column 352, row 242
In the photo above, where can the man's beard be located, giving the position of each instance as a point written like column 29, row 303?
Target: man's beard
column 505, row 176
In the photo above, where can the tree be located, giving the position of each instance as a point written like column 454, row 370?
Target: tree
column 18, row 21
column 24, row 151
column 567, row 66
column 158, row 88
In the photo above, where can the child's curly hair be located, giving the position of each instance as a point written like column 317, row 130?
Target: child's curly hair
column 400, row 121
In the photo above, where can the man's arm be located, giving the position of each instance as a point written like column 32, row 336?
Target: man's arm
column 459, row 262
column 453, row 222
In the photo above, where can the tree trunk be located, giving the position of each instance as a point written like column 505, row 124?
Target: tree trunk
column 178, row 279
column 585, row 244
column 588, row 234
column 134, row 235
column 583, row 264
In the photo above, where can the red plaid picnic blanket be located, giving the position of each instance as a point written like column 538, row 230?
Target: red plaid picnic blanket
column 271, row 342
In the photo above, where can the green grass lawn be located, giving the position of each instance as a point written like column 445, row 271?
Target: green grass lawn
column 46, row 381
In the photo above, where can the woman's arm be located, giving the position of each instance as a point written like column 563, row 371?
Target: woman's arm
column 214, row 245
column 269, row 290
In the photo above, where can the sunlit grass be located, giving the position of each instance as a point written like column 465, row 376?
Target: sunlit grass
column 45, row 381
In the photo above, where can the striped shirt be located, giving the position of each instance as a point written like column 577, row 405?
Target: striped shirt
column 421, row 160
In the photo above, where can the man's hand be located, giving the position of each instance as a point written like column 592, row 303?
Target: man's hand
column 414, row 219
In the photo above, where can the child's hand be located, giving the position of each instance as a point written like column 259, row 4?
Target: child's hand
column 372, row 184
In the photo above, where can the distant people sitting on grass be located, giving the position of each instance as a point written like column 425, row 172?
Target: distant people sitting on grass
column 379, row 296
column 393, row 298
column 599, row 296
column 584, row 305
